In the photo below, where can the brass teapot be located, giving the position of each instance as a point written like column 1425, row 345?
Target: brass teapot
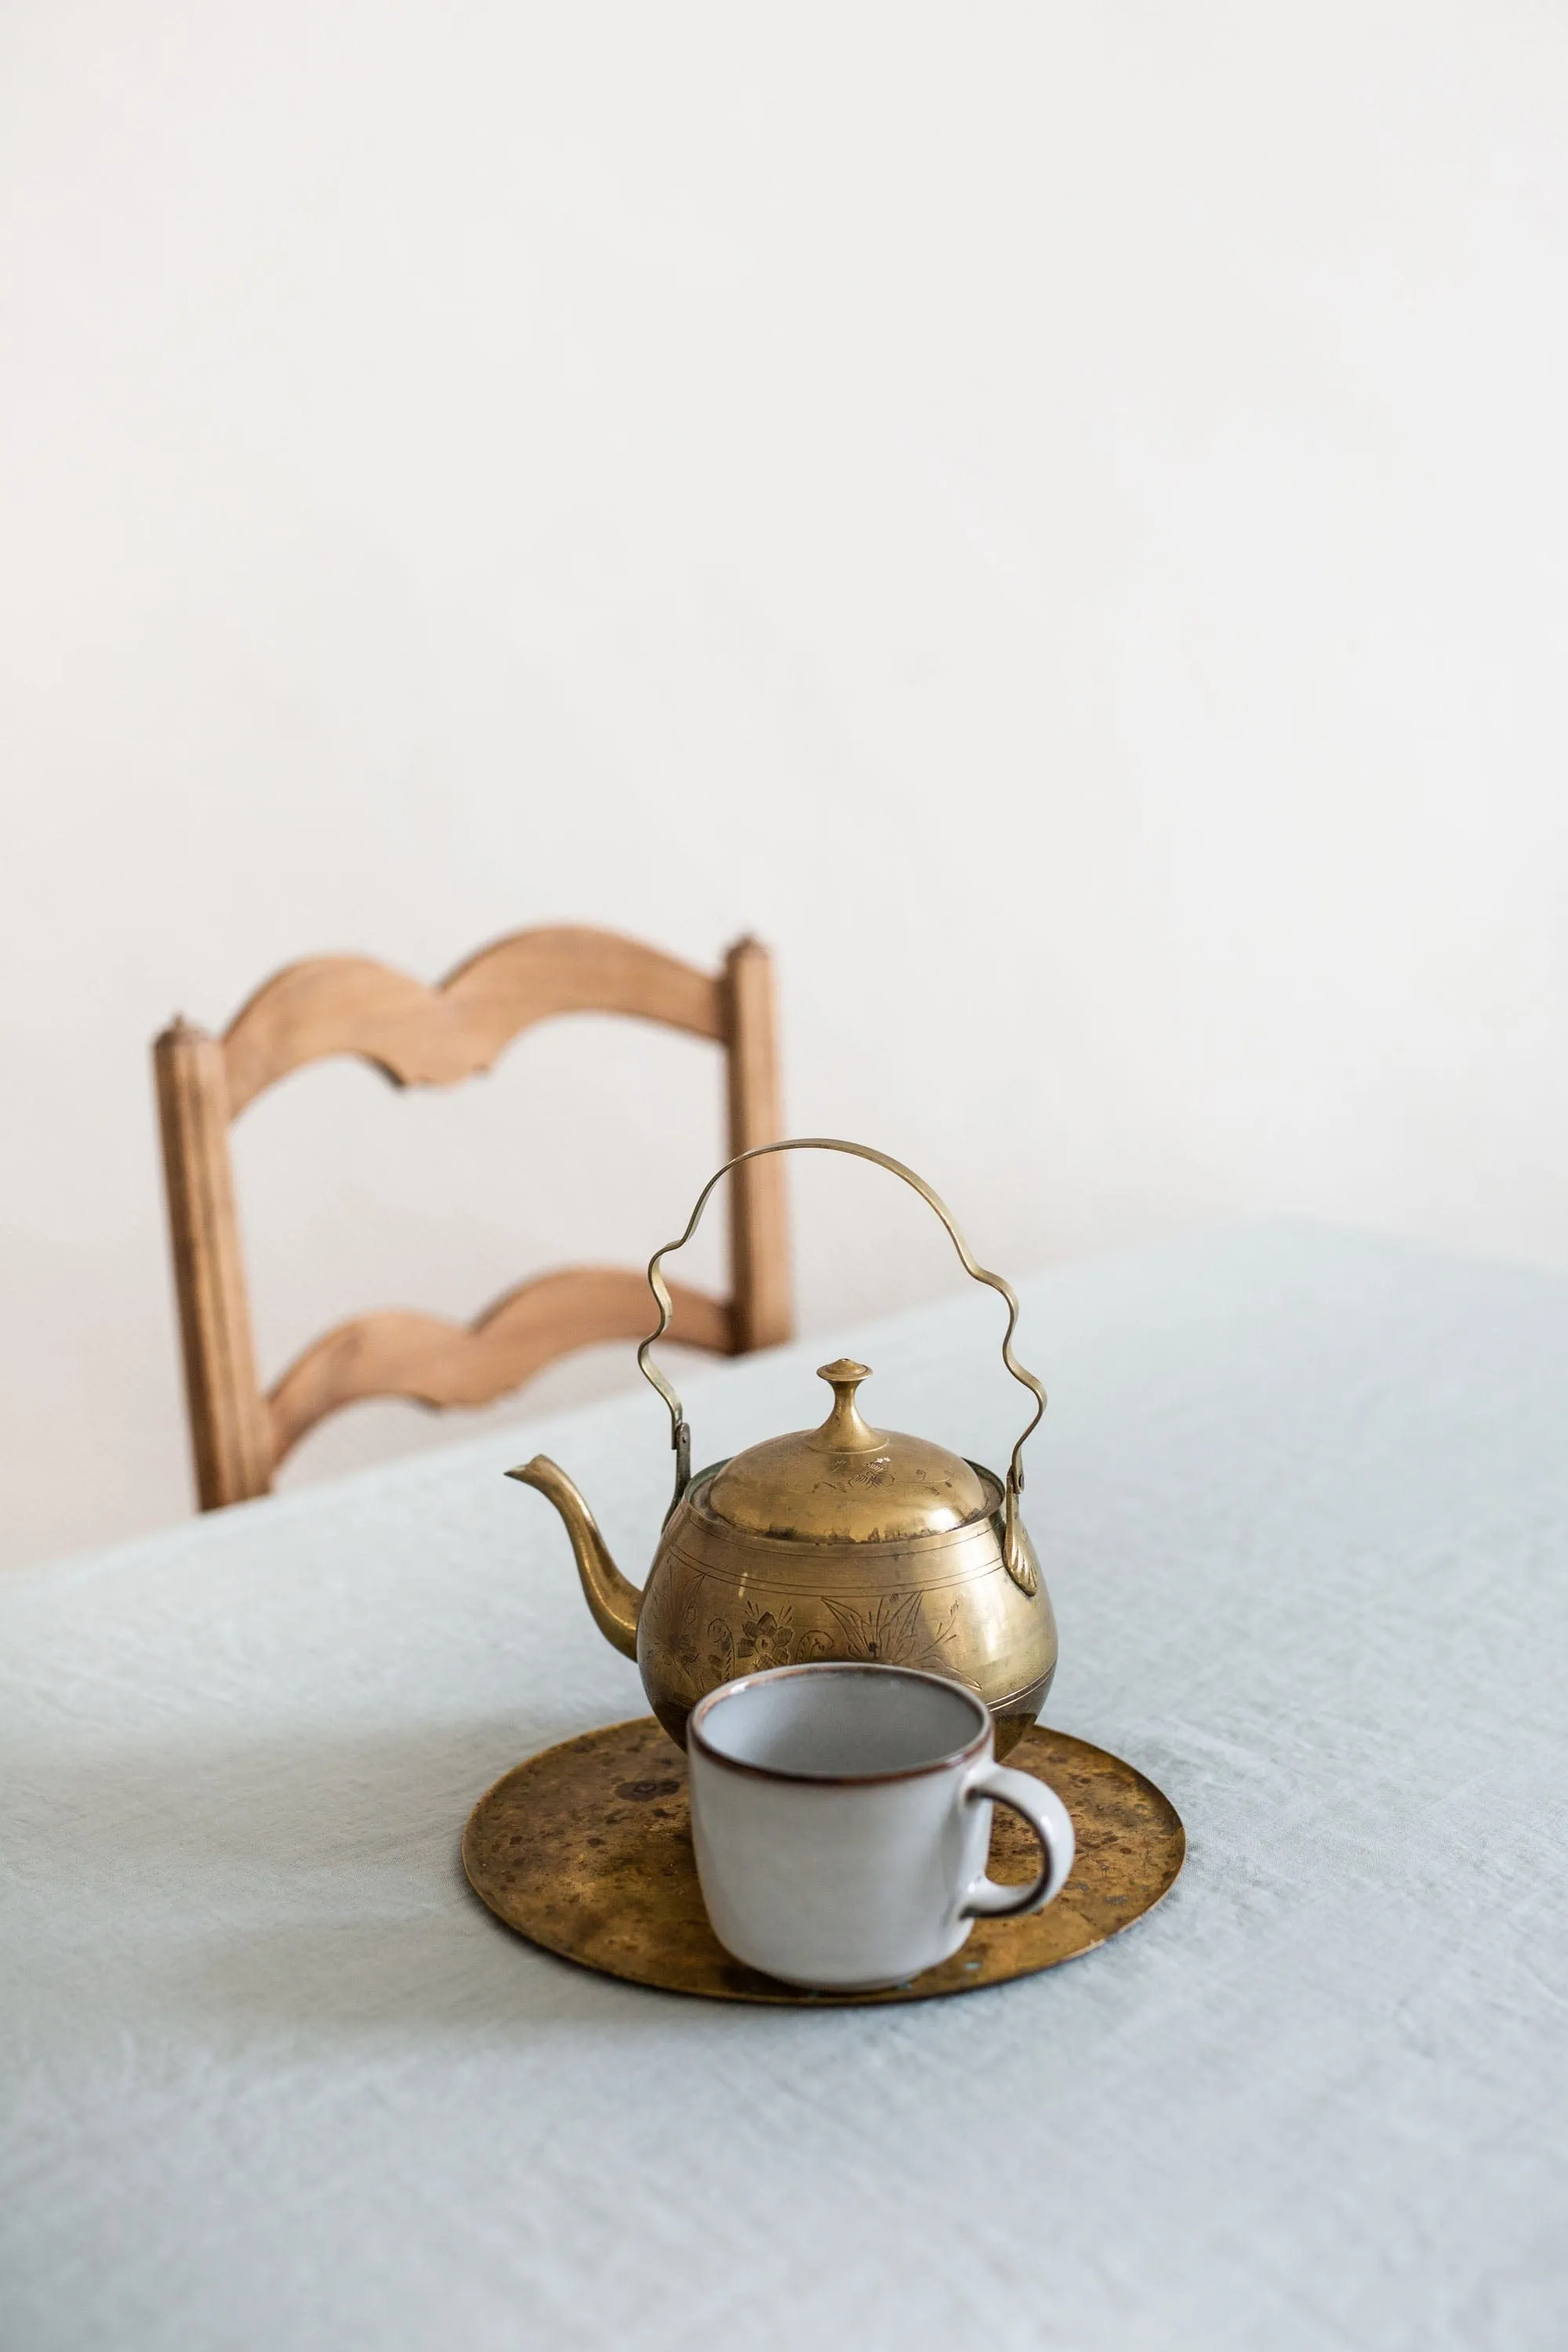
column 838, row 1542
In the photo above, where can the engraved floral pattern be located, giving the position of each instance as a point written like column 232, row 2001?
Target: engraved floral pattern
column 891, row 1629
column 677, row 1628
column 766, row 1639
column 894, row 1632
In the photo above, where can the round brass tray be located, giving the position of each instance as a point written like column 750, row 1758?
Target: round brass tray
column 587, row 1850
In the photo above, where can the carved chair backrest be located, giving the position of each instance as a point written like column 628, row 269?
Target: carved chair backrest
column 433, row 1036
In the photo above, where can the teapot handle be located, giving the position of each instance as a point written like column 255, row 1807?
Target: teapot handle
column 1017, row 1561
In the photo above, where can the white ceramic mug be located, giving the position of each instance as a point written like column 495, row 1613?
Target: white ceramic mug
column 842, row 1818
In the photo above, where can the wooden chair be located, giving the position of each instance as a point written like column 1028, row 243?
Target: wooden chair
column 433, row 1036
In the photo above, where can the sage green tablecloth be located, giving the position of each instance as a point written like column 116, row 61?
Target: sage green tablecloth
column 273, row 2079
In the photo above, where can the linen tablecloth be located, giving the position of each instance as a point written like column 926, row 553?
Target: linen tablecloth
column 272, row 2077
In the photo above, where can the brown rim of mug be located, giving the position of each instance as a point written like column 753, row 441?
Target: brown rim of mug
column 943, row 1763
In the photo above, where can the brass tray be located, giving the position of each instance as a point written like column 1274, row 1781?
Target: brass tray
column 587, row 1850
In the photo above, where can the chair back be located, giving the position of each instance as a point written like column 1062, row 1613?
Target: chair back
column 418, row 1035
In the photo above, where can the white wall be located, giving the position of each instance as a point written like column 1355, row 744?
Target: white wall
column 1054, row 516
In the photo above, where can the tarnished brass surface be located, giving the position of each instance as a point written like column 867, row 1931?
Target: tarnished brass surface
column 721, row 1603
column 842, row 1541
column 587, row 1850
column 846, row 1482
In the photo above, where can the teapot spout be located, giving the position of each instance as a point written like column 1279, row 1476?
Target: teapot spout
column 614, row 1603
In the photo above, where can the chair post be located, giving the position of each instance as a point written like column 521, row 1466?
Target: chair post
column 230, row 1433
column 759, row 1237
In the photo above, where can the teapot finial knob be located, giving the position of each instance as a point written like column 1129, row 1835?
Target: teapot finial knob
column 844, row 1431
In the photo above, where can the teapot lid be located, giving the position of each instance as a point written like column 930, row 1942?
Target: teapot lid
column 846, row 1483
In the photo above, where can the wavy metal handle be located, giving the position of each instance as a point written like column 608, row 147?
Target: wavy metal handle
column 1017, row 1562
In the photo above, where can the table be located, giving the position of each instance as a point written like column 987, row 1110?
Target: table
column 273, row 2078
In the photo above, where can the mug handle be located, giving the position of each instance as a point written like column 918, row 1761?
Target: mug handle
column 1052, row 1824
